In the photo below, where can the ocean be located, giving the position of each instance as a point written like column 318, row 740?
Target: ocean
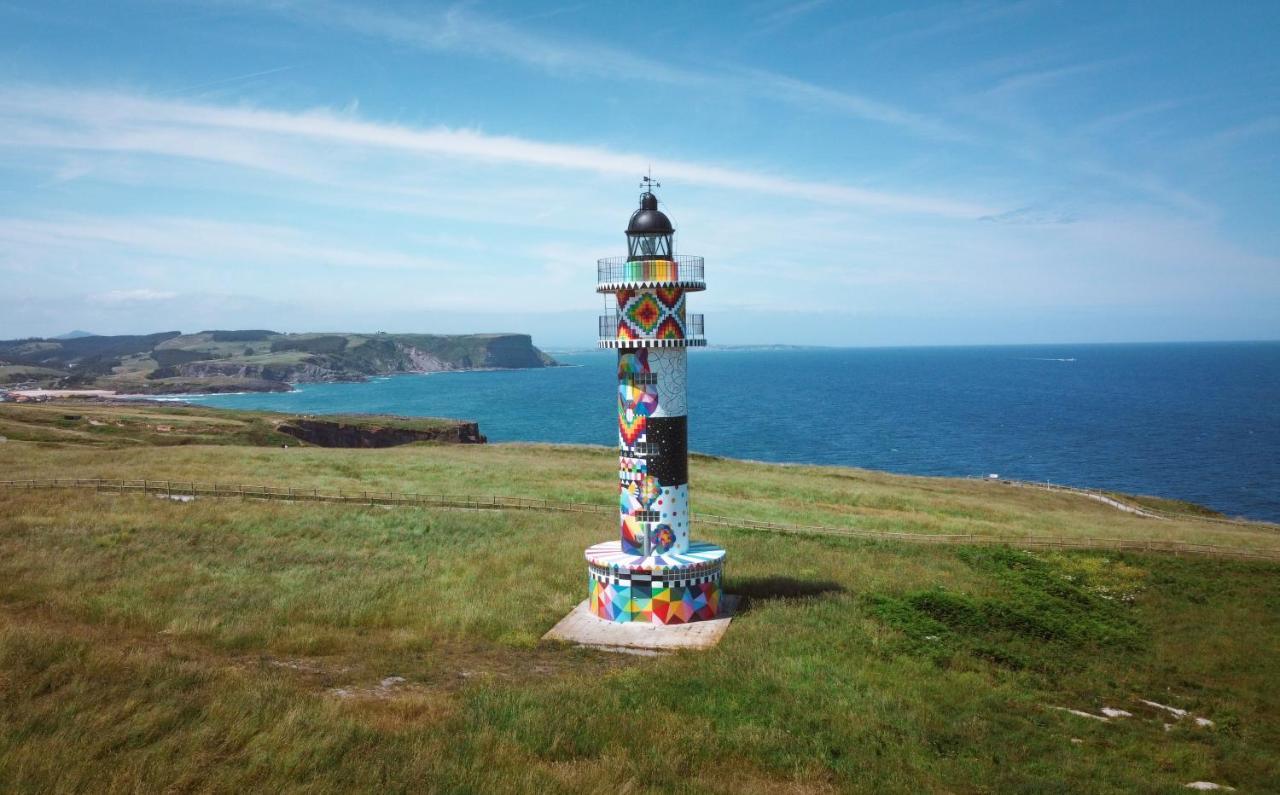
column 1192, row 421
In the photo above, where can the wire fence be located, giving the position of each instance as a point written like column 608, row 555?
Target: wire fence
column 187, row 490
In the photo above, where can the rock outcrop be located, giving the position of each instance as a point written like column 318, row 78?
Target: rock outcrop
column 340, row 433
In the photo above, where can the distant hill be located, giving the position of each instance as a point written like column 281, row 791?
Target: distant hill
column 250, row 360
column 74, row 334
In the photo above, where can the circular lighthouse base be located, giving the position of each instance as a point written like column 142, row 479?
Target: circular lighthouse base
column 658, row 589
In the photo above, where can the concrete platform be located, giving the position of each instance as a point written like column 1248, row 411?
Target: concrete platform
column 585, row 629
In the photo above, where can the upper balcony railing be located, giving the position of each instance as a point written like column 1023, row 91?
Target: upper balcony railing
column 677, row 269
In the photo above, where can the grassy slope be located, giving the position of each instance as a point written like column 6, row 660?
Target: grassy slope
column 88, row 424
column 796, row 494
column 146, row 644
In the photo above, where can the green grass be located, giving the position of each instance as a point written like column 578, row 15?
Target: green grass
column 832, row 496
column 14, row 373
column 1166, row 505
column 145, row 644
column 231, row 646
column 75, row 424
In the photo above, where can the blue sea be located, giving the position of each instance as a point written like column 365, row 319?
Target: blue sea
column 1195, row 421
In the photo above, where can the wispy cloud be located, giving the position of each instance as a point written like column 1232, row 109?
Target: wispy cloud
column 1043, row 78
column 916, row 25
column 200, row 240
column 459, row 29
column 229, row 80
column 1265, row 126
column 1112, row 121
column 264, row 140
column 141, row 295
column 802, row 93
column 781, row 15
column 1035, row 214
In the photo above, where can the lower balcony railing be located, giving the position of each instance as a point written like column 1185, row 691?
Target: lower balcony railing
column 693, row 328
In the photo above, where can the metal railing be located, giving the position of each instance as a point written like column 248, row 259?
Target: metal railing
column 185, row 490
column 678, row 268
column 694, row 326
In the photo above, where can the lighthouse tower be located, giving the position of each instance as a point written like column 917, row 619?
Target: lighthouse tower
column 653, row 573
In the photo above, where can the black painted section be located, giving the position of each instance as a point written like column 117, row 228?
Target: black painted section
column 670, row 435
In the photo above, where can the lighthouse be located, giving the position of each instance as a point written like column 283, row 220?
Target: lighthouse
column 652, row 573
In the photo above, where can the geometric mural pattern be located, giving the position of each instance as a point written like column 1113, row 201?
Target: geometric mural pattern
column 636, row 400
column 632, row 470
column 670, row 589
column 673, row 516
column 651, row 604
column 653, row 491
column 701, row 562
column 656, row 312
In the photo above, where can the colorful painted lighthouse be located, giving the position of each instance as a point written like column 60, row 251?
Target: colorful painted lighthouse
column 653, row 573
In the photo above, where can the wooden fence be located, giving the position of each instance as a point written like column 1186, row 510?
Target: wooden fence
column 183, row 489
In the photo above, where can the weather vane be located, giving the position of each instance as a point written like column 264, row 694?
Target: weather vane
column 648, row 183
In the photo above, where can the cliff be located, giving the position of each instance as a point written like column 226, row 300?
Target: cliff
column 368, row 432
column 253, row 360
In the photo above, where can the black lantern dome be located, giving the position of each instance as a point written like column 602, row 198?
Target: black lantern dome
column 649, row 233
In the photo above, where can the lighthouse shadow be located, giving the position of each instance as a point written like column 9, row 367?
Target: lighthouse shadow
column 754, row 591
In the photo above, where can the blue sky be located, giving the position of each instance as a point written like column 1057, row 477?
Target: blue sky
column 854, row 173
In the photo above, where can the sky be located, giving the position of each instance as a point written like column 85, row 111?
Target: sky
column 853, row 173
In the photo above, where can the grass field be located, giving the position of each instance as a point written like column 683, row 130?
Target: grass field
column 226, row 645
column 118, row 425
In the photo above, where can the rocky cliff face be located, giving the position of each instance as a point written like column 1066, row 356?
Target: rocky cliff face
column 337, row 433
column 306, row 372
column 423, row 362
column 514, row 351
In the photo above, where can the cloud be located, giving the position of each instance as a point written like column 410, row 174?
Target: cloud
column 266, row 140
column 1111, row 121
column 790, row 11
column 138, row 296
column 1035, row 80
column 460, row 30
column 1263, row 127
column 181, row 239
column 811, row 96
column 919, row 24
column 226, row 80
column 1035, row 214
